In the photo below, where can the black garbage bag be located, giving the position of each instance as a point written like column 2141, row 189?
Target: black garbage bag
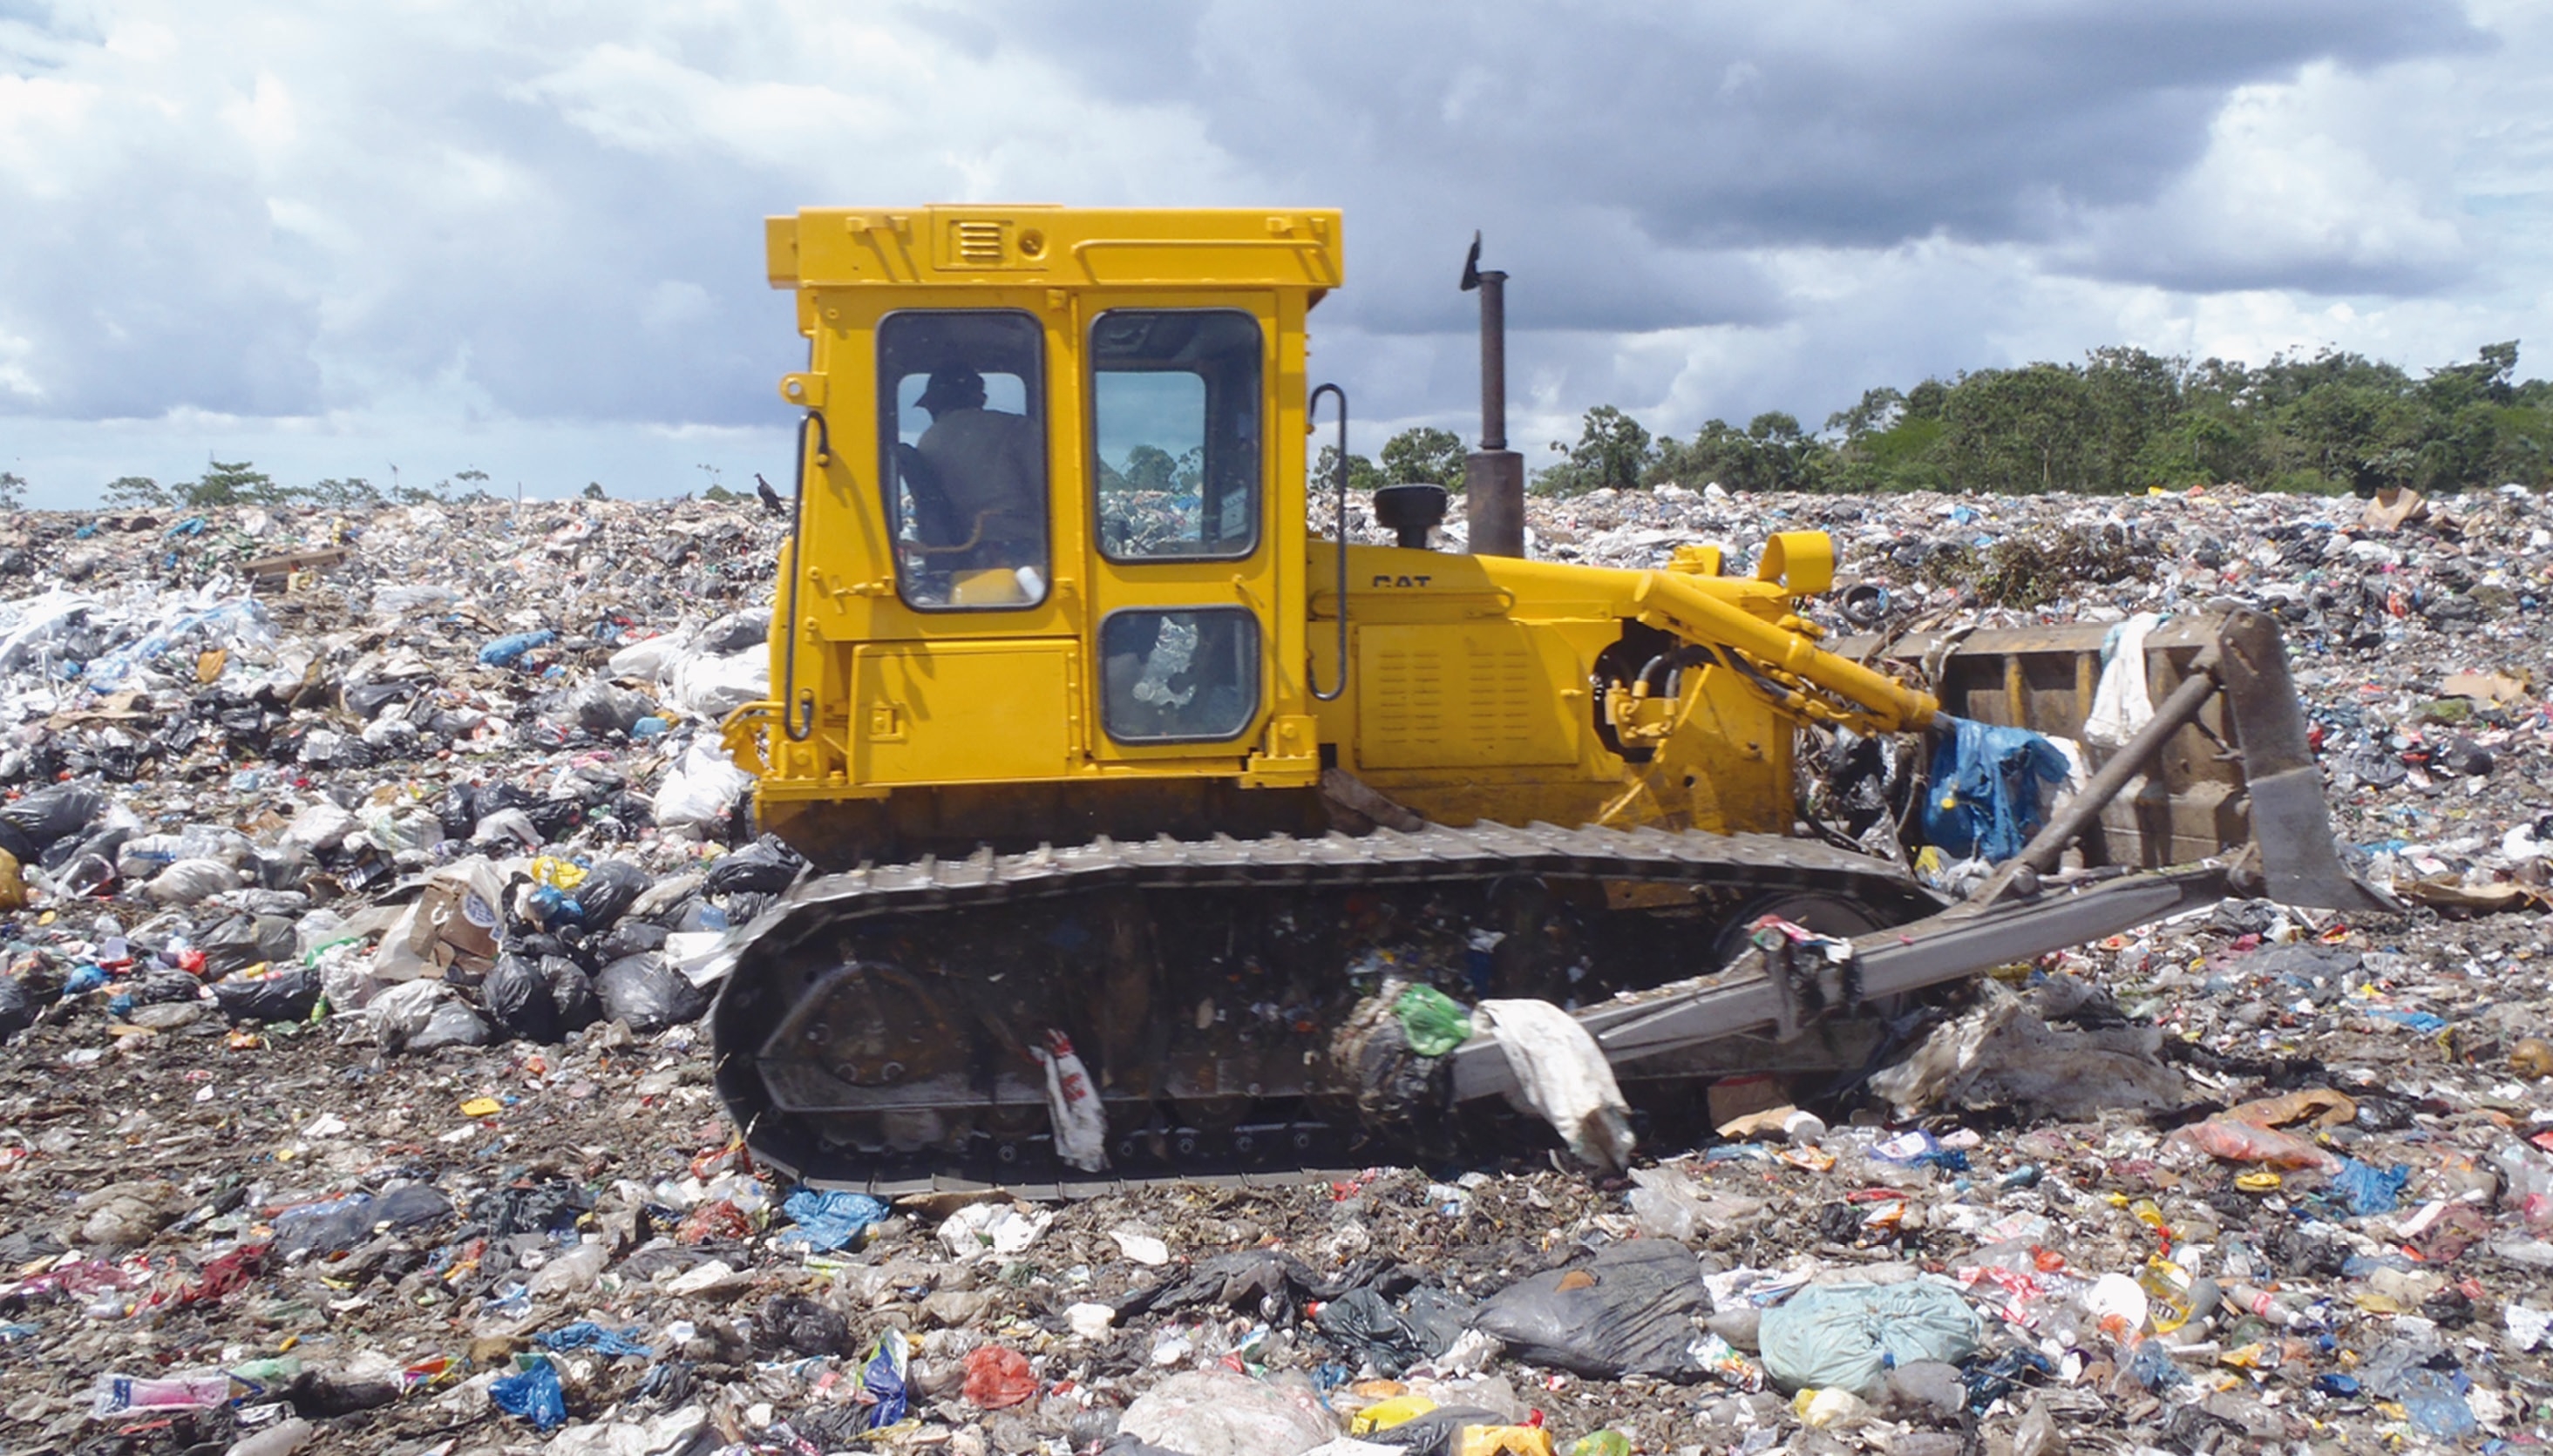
column 734, row 632
column 797, row 1324
column 367, row 700
column 341, row 1224
column 17, row 1008
column 648, row 993
column 519, row 1001
column 743, row 908
column 551, row 1206
column 608, row 890
column 764, row 867
column 163, row 987
column 458, row 810
column 1628, row 1311
column 1265, row 1283
column 243, row 941
column 1437, row 1432
column 555, row 818
column 1395, row 1336
column 631, row 938
column 286, row 995
column 30, row 825
column 571, row 993
column 454, row 1023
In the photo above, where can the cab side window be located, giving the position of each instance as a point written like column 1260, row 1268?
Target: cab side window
column 960, row 399
column 1176, row 430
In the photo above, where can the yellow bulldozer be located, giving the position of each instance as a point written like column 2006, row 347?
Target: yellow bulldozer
column 1150, row 800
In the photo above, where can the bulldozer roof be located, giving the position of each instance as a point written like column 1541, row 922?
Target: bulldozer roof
column 1045, row 246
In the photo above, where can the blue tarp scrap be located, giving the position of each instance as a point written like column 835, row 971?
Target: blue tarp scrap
column 1989, row 788
column 584, row 1334
column 533, row 1393
column 829, row 1220
column 505, row 652
column 2370, row 1190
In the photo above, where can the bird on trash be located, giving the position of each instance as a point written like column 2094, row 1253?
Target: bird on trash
column 770, row 497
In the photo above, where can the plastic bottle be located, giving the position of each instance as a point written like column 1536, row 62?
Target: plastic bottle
column 115, row 1395
column 280, row 1439
column 2278, row 1308
column 2166, row 1285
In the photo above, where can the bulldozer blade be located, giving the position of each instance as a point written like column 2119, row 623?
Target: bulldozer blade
column 2238, row 779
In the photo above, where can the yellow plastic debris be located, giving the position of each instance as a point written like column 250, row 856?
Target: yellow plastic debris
column 1384, row 1414
column 482, row 1108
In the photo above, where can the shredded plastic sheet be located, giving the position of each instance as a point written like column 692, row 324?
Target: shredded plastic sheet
column 1989, row 788
column 1849, row 1335
column 1562, row 1076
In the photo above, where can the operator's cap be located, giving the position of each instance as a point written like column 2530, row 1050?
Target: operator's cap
column 952, row 385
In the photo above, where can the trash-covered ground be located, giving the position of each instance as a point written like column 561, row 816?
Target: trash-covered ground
column 357, row 1100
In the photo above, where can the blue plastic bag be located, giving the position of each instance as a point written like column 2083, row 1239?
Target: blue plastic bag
column 534, row 1394
column 1989, row 789
column 505, row 652
column 829, row 1220
column 882, row 1376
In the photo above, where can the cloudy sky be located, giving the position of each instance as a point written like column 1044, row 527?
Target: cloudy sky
column 411, row 237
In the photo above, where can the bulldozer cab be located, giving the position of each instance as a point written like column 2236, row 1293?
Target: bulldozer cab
column 1051, row 524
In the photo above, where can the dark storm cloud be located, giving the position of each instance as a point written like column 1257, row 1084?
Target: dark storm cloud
column 1720, row 126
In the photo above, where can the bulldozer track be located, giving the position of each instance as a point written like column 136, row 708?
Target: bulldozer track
column 1285, row 1147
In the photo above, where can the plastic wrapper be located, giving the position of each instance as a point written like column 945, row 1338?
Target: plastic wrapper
column 998, row 1378
column 2244, row 1142
column 1431, row 1020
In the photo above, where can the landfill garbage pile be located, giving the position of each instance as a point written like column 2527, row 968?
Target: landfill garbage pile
column 365, row 879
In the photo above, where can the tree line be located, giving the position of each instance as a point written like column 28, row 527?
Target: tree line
column 2122, row 421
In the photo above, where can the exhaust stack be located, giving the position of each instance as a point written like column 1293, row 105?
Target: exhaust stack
column 1493, row 476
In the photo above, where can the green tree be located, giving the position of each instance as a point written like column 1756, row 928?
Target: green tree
column 351, row 494
column 1612, row 451
column 13, row 491
column 1363, row 477
column 594, row 491
column 127, row 493
column 229, row 483
column 1424, row 453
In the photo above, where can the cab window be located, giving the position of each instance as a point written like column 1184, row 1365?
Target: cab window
column 1175, row 430
column 1184, row 675
column 964, row 429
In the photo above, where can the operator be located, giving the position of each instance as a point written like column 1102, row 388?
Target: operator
column 988, row 462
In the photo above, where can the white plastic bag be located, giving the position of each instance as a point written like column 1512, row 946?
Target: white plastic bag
column 2123, row 701
column 1080, row 1124
column 700, row 787
column 648, row 660
column 1218, row 1413
column 190, row 881
column 711, row 686
column 1563, row 1077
